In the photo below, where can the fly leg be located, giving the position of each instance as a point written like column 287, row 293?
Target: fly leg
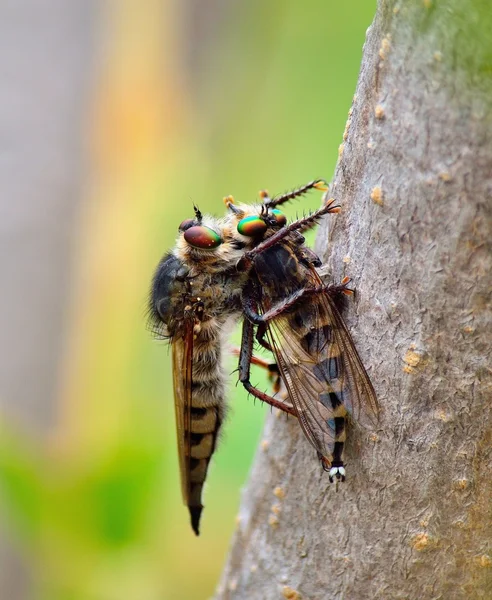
column 271, row 368
column 249, row 305
column 317, row 184
column 245, row 361
column 260, row 337
column 303, row 224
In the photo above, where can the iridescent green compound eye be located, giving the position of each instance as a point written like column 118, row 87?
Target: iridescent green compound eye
column 252, row 226
column 200, row 236
column 279, row 217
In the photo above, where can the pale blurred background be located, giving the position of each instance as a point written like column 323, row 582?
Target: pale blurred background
column 114, row 118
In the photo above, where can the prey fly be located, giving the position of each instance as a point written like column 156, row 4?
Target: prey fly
column 295, row 315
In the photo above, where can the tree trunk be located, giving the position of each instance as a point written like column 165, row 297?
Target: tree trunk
column 413, row 520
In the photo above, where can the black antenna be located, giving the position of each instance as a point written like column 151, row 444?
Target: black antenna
column 198, row 214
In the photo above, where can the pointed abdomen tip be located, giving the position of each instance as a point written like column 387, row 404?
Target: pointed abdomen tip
column 195, row 513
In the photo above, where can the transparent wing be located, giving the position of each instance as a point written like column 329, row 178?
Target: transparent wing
column 182, row 351
column 321, row 368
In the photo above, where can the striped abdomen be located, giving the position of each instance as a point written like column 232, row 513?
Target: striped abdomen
column 206, row 414
column 312, row 324
column 309, row 357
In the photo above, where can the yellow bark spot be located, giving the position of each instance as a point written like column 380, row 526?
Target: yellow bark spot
column 273, row 521
column 422, row 542
column 437, row 56
column 264, row 445
column 290, row 594
column 468, row 329
column 276, row 509
column 253, row 568
column 461, row 484
column 379, row 112
column 384, row 48
column 445, row 176
column 412, row 358
column 443, row 415
column 377, row 195
column 279, row 492
column 232, row 585
column 340, row 150
column 346, row 259
column 484, row 561
column 347, row 127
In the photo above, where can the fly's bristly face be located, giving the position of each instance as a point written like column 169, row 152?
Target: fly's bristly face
column 250, row 224
column 206, row 245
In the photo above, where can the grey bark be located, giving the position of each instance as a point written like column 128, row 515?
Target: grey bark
column 414, row 518
column 46, row 51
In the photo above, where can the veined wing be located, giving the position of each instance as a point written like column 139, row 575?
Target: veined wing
column 321, row 368
column 182, row 351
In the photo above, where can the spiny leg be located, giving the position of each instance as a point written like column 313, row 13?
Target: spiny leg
column 318, row 184
column 271, row 368
column 301, row 224
column 260, row 337
column 249, row 304
column 245, row 360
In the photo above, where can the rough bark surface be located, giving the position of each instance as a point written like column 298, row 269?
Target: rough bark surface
column 414, row 519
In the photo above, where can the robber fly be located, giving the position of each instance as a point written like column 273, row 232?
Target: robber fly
column 297, row 317
column 253, row 264
column 195, row 294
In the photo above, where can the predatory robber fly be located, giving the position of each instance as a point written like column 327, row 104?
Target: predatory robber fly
column 251, row 264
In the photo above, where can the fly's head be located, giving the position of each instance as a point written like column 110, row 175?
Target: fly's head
column 204, row 244
column 250, row 224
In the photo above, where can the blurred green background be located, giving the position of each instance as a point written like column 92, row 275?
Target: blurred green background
column 184, row 102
